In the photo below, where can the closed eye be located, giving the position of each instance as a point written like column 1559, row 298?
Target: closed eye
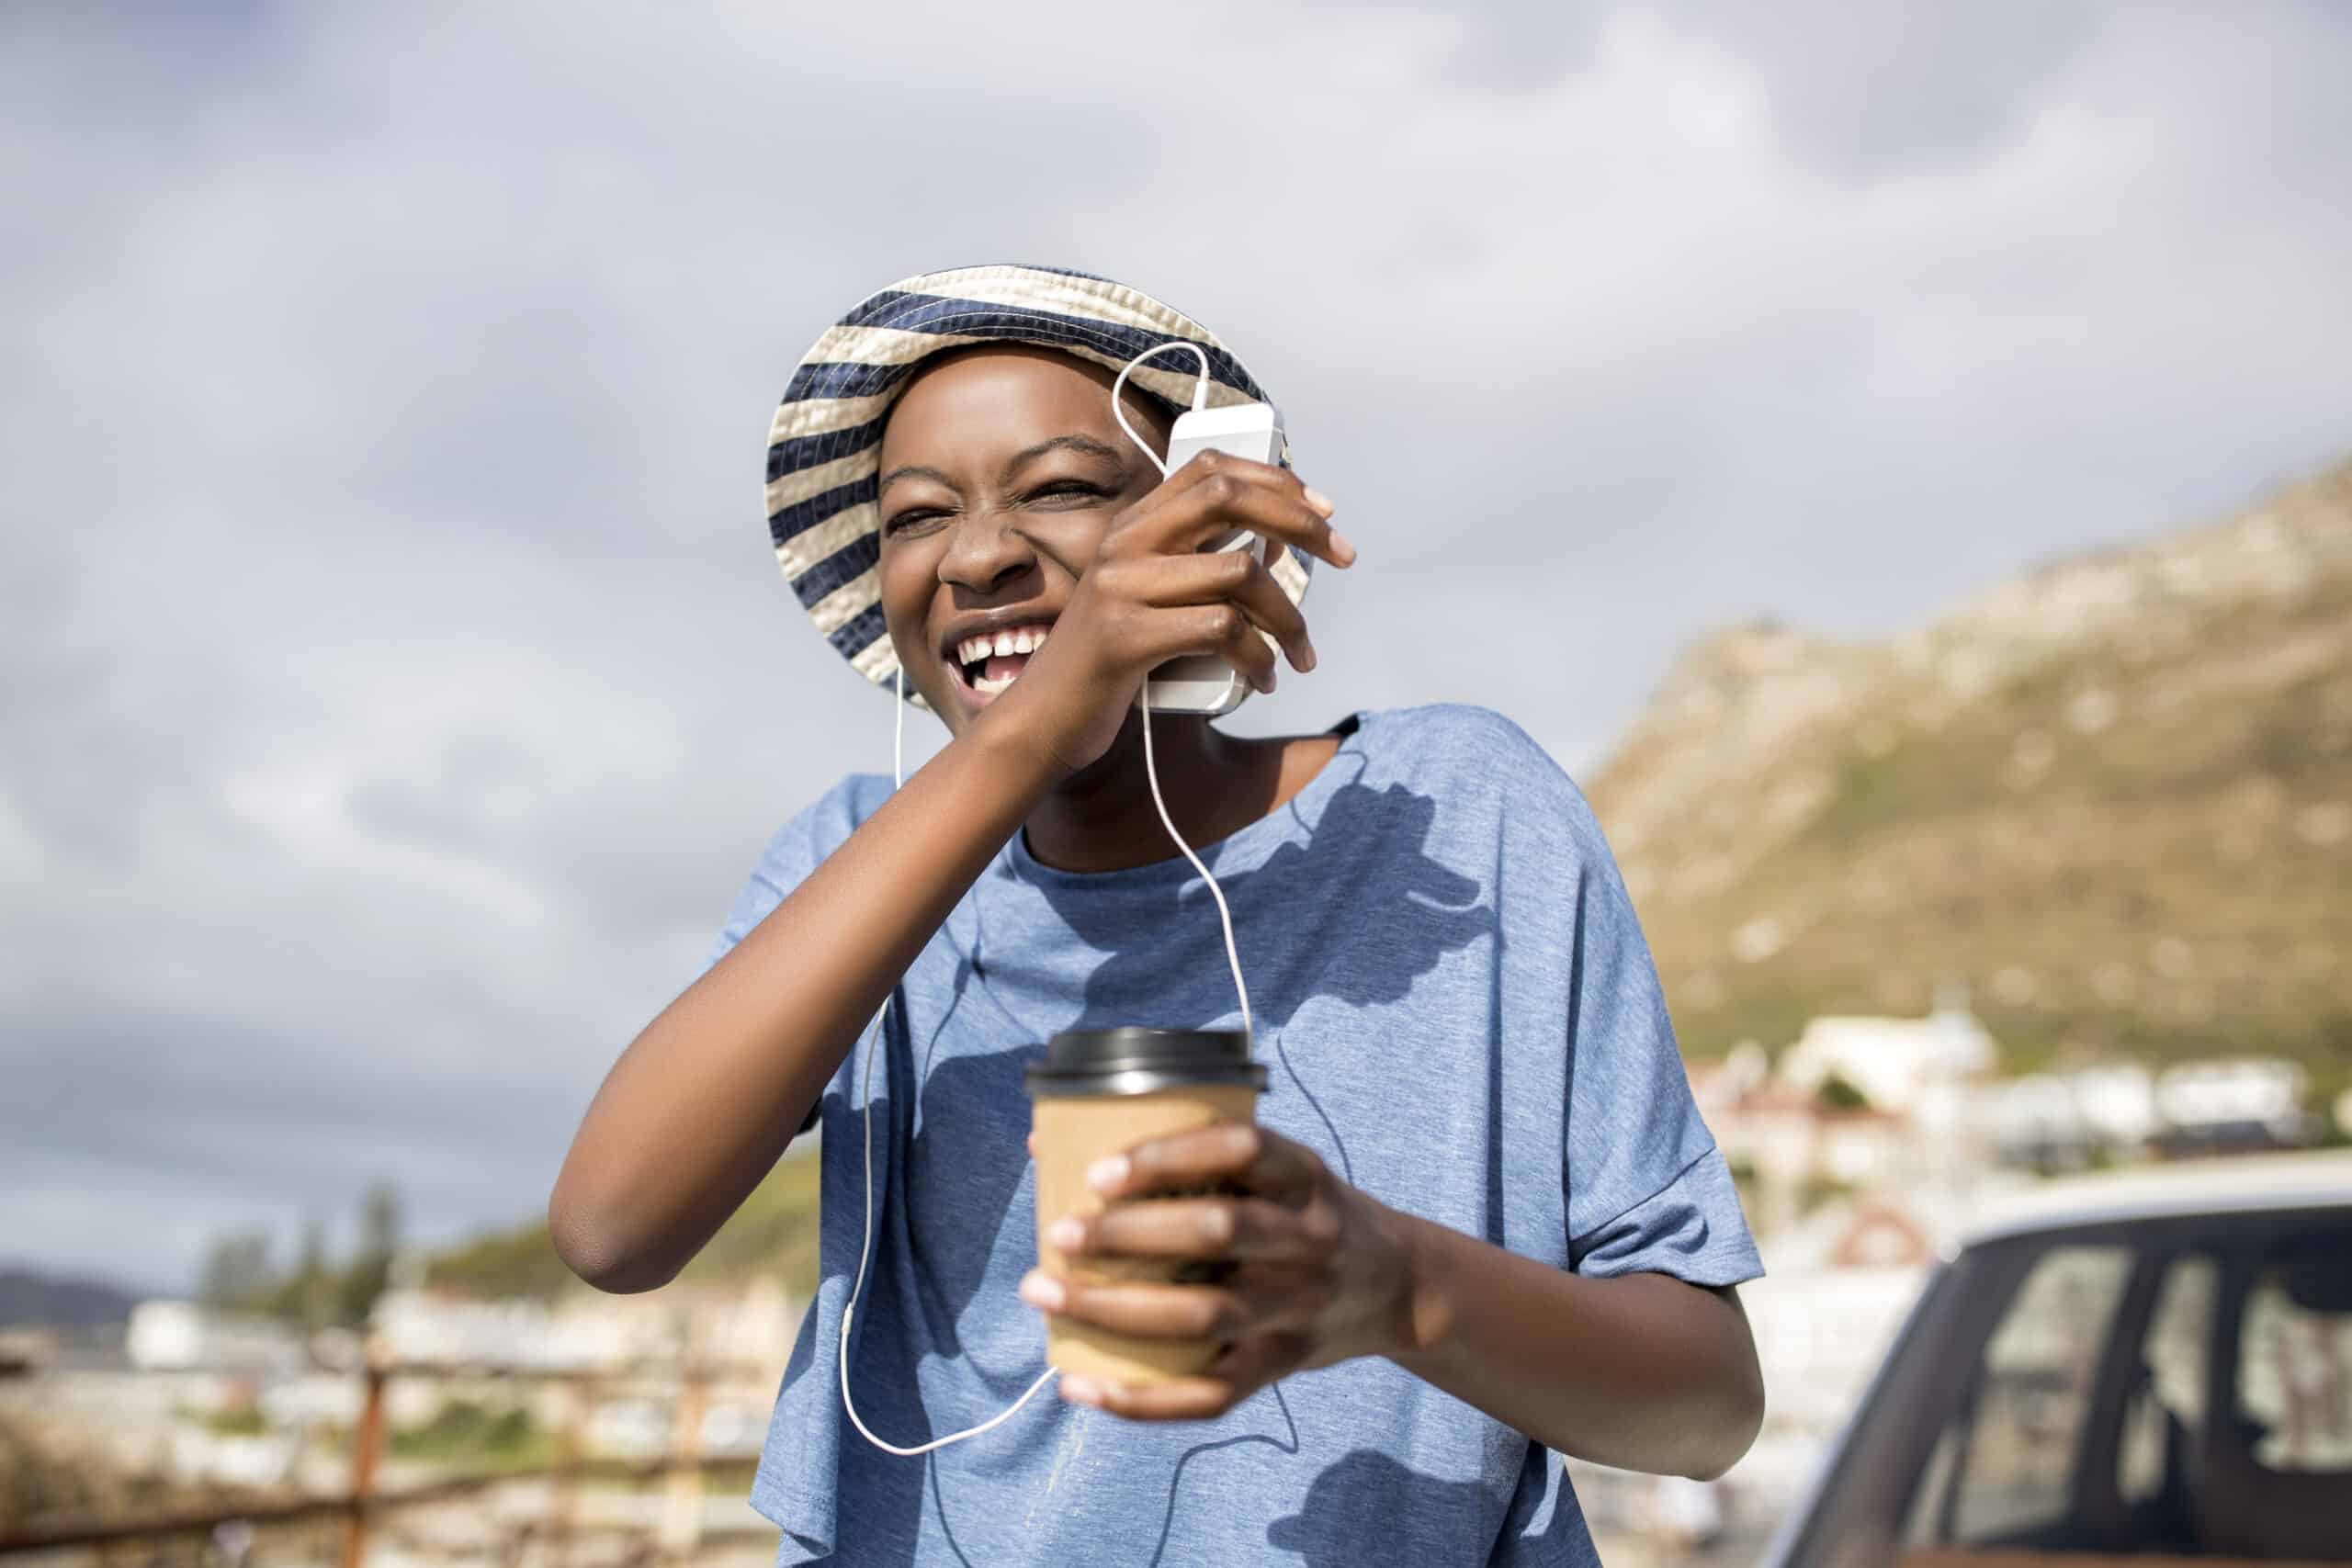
column 1068, row 490
column 913, row 517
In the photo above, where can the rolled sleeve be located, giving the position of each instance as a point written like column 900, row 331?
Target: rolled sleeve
column 1690, row 1228
column 1647, row 1190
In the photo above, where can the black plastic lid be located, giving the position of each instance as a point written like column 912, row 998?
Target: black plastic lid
column 1128, row 1060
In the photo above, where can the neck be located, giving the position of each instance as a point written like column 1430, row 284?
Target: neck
column 1102, row 817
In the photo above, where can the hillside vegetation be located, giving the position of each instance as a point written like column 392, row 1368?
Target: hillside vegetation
column 2113, row 797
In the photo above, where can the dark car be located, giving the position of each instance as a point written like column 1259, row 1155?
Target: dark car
column 2156, row 1365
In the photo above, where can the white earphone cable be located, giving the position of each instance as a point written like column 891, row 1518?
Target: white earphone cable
column 1143, row 694
column 865, row 1241
column 1225, row 915
column 1119, row 384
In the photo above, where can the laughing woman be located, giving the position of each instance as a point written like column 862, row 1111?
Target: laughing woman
column 1479, row 1222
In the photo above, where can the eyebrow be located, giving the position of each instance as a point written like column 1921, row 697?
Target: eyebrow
column 911, row 471
column 1084, row 444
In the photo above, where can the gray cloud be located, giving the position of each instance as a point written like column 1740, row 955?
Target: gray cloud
column 394, row 681
column 1877, row 90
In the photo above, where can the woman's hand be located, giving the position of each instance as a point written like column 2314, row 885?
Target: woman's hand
column 1150, row 594
column 1320, row 1272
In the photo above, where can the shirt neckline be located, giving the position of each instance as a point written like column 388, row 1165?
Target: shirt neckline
column 1267, row 830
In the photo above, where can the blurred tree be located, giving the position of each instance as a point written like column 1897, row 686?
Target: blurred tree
column 236, row 1267
column 314, row 1287
column 1840, row 1093
column 379, row 1220
column 307, row 1296
column 379, row 1238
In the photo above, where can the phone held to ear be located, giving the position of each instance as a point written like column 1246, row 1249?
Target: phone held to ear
column 1203, row 683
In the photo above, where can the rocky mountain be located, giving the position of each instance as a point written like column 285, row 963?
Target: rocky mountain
column 2113, row 797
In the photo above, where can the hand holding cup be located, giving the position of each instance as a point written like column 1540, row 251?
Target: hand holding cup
column 1287, row 1268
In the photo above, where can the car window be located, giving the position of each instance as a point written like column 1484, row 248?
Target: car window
column 2294, row 1382
column 2179, row 1389
column 2164, row 1421
column 2016, row 1450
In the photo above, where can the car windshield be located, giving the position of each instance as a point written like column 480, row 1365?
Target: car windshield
column 2180, row 1388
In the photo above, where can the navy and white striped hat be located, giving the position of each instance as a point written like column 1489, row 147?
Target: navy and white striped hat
column 825, row 446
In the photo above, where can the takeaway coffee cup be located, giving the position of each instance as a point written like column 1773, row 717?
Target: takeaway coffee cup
column 1102, row 1091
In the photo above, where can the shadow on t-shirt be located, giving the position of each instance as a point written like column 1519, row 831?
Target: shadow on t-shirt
column 1365, row 858
column 1404, row 911
column 1366, row 852
column 1335, row 1530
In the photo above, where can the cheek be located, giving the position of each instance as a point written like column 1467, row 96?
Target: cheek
column 1072, row 541
column 907, row 581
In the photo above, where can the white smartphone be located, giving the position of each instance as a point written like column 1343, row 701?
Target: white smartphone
column 1205, row 683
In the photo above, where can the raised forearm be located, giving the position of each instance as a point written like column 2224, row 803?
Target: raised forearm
column 1642, row 1372
column 704, row 1100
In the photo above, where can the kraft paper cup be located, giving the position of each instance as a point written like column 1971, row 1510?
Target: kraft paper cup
column 1100, row 1092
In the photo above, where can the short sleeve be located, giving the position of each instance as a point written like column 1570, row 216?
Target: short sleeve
column 1647, row 1190
column 797, row 849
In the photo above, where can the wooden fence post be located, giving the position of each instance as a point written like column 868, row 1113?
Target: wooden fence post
column 681, row 1491
column 568, row 1448
column 367, row 1447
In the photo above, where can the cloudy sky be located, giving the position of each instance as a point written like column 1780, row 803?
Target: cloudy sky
column 394, row 681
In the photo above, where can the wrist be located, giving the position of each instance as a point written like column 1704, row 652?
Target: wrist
column 1018, row 749
column 1419, row 1313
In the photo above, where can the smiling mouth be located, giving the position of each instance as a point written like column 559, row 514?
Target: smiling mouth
column 989, row 662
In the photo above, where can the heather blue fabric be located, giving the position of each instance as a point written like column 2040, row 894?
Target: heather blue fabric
column 1460, row 1016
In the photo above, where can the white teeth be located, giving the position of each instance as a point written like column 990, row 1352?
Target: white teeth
column 987, row 687
column 1020, row 640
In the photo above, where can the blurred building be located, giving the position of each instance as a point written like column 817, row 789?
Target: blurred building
column 2057, row 1122
column 751, row 1324
column 179, row 1336
column 1856, row 1105
column 1901, row 1064
column 2228, row 1106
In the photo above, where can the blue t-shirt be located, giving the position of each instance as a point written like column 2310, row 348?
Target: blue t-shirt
column 1459, row 1015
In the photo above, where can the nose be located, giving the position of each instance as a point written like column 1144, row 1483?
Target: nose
column 985, row 553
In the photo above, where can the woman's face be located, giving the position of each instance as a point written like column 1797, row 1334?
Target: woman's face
column 1001, row 468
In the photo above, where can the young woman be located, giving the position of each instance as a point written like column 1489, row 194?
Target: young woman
column 1479, row 1210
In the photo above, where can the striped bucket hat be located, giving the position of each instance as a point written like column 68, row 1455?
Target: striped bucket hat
column 825, row 446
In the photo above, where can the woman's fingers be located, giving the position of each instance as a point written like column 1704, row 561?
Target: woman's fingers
column 1199, row 1227
column 1257, row 1301
column 1216, row 493
column 1234, row 1377
column 1222, row 629
column 1249, row 1156
column 1237, row 577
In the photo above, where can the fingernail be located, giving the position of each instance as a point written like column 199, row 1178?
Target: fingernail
column 1066, row 1235
column 1081, row 1389
column 1306, row 657
column 1344, row 551
column 1317, row 500
column 1042, row 1291
column 1107, row 1175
